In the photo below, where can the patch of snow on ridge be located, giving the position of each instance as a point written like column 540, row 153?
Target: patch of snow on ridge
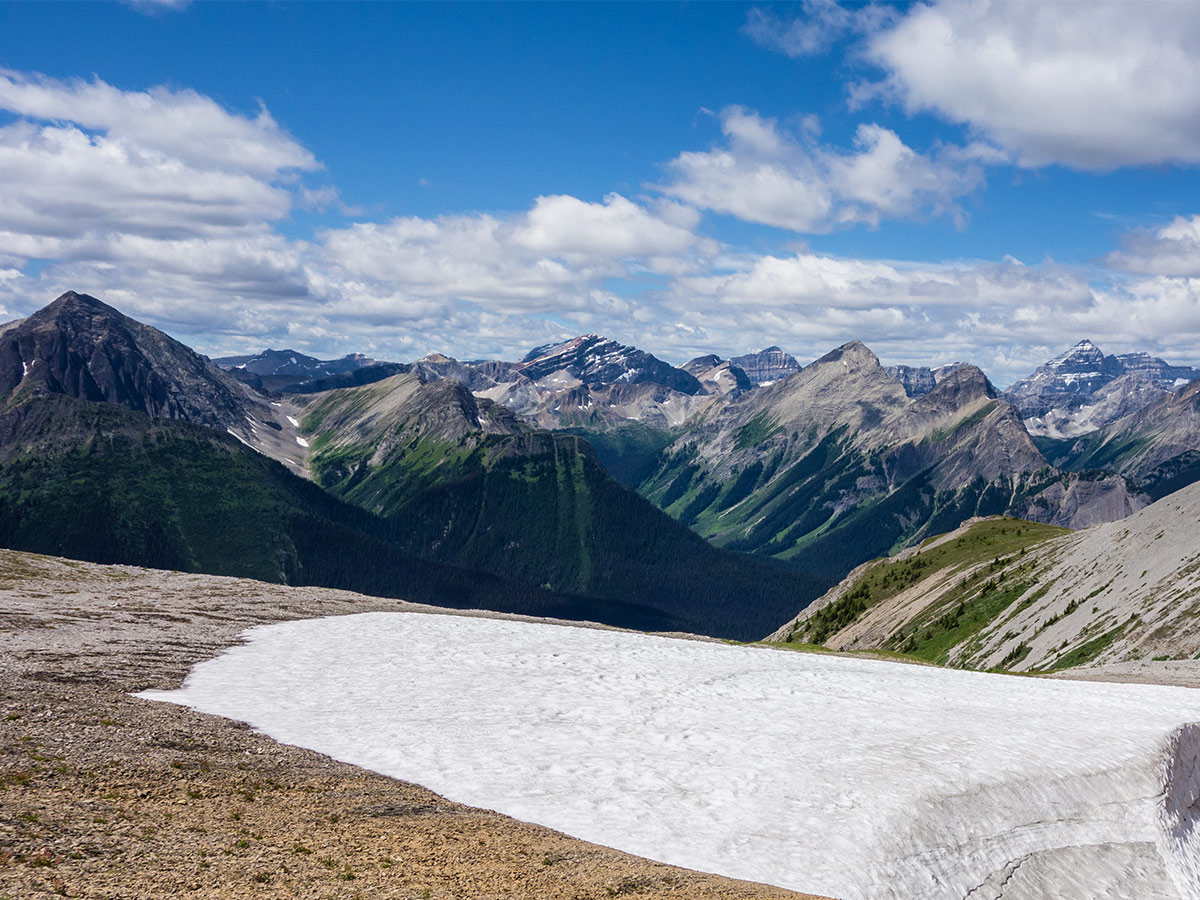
column 853, row 778
column 295, row 424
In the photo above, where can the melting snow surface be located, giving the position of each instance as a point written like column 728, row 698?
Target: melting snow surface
column 302, row 442
column 295, row 424
column 848, row 777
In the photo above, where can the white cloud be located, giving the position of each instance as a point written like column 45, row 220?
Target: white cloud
column 1005, row 317
column 820, row 24
column 566, row 226
column 180, row 124
column 766, row 175
column 100, row 175
column 1173, row 249
column 1093, row 86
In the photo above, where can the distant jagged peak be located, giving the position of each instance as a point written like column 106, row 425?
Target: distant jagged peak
column 568, row 346
column 436, row 357
column 1084, row 351
column 767, row 365
column 595, row 360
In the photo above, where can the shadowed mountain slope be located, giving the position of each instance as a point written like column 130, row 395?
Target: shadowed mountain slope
column 478, row 488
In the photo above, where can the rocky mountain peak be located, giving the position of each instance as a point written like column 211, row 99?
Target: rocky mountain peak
column 594, row 360
column 967, row 383
column 701, row 364
column 82, row 347
column 854, row 354
column 767, row 365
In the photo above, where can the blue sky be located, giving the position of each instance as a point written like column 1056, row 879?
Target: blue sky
column 982, row 181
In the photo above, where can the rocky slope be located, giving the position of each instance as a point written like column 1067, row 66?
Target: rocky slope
column 1003, row 593
column 836, row 464
column 81, row 347
column 718, row 376
column 1156, row 446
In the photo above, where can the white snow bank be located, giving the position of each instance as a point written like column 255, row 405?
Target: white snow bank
column 292, row 419
column 846, row 777
column 301, row 441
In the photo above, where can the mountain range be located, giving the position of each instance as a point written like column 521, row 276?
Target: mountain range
column 588, row 479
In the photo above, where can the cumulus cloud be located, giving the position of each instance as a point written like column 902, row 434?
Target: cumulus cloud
column 1092, row 86
column 157, row 178
column 765, row 174
column 1173, row 249
column 1004, row 316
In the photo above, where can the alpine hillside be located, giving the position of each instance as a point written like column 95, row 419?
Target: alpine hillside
column 1015, row 595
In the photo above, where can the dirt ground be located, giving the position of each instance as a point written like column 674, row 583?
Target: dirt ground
column 106, row 796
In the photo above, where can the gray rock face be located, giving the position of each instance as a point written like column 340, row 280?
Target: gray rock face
column 595, row 360
column 767, row 365
column 916, row 380
column 1072, row 379
column 717, row 375
column 1115, row 400
column 82, row 347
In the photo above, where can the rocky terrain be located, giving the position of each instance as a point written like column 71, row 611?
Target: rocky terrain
column 1010, row 594
column 109, row 797
column 1084, row 389
column 837, row 464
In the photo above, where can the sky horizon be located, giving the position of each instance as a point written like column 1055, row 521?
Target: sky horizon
column 944, row 181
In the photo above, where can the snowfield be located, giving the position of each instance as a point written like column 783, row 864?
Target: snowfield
column 851, row 778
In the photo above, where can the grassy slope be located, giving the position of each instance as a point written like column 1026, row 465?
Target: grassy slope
column 964, row 611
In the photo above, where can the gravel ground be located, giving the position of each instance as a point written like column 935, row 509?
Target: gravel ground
column 106, row 796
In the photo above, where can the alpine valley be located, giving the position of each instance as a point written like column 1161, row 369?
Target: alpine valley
column 587, row 480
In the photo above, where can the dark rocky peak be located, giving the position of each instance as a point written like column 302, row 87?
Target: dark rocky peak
column 595, row 360
column 767, row 365
column 81, row 347
column 965, row 384
column 292, row 364
column 701, row 364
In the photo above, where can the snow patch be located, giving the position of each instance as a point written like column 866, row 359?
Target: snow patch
column 301, row 441
column 852, row 778
column 295, row 424
column 239, row 437
column 24, row 369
